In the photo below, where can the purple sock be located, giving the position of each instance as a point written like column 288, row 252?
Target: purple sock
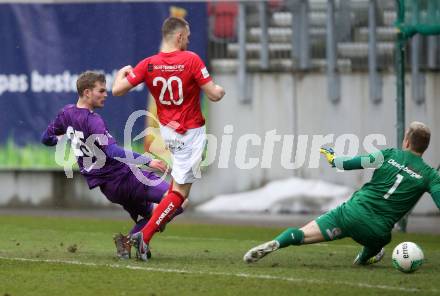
column 177, row 212
column 139, row 225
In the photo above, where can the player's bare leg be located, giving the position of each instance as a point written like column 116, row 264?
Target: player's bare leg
column 309, row 234
column 183, row 189
column 312, row 233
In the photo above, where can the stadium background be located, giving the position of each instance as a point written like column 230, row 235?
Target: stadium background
column 297, row 86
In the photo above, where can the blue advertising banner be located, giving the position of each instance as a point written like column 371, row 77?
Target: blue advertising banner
column 45, row 46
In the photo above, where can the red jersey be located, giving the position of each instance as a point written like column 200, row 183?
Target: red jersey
column 174, row 79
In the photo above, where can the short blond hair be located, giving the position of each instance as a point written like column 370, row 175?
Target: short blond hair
column 418, row 135
column 87, row 80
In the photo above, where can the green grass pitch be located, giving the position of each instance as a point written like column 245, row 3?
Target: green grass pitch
column 191, row 259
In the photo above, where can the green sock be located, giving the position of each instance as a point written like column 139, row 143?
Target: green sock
column 290, row 236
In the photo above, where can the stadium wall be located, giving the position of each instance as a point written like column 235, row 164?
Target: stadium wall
column 47, row 188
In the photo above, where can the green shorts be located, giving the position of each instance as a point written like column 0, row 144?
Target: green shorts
column 345, row 221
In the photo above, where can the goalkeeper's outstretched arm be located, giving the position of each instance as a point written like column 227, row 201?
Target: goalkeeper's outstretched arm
column 373, row 160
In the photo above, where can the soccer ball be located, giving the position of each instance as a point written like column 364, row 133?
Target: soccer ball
column 407, row 257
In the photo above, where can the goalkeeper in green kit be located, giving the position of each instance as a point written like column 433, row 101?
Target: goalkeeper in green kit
column 399, row 180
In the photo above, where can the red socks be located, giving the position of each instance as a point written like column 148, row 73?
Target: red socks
column 162, row 214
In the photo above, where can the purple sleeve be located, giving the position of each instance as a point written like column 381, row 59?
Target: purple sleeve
column 55, row 128
column 48, row 140
column 114, row 151
column 97, row 126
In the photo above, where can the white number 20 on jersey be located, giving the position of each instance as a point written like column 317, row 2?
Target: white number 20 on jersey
column 168, row 85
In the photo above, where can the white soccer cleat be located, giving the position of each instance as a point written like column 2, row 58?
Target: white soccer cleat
column 258, row 252
column 142, row 249
column 375, row 259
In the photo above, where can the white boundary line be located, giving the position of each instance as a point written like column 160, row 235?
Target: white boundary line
column 240, row 275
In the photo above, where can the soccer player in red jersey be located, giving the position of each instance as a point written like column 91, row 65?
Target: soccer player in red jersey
column 175, row 78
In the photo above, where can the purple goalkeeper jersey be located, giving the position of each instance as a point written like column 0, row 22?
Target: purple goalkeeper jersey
column 89, row 137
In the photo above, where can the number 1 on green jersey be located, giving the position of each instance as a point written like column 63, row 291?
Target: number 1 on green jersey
column 394, row 187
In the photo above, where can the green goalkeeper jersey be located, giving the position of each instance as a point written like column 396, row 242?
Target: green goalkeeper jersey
column 395, row 187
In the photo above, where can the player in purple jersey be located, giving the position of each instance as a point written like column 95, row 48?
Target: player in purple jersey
column 102, row 162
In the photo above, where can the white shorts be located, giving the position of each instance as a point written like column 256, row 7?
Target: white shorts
column 187, row 151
